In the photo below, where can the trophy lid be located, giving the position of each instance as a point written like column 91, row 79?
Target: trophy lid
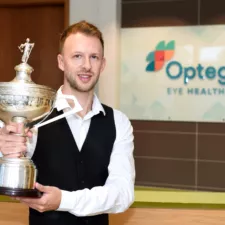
column 24, row 70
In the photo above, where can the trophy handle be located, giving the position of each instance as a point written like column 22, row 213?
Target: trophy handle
column 72, row 111
column 40, row 121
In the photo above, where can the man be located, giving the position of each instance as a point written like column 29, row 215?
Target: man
column 85, row 162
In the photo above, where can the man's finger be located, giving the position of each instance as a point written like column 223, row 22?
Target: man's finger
column 8, row 128
column 20, row 128
column 14, row 138
column 41, row 188
column 28, row 133
column 34, row 201
column 13, row 155
column 14, row 149
column 14, row 145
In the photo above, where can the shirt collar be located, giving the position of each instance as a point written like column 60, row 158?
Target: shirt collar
column 97, row 106
column 62, row 104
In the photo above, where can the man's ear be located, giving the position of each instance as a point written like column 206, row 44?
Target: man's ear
column 60, row 62
column 103, row 64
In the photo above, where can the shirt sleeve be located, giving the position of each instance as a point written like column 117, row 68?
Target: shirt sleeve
column 118, row 192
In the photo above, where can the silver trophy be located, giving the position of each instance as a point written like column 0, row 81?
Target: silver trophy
column 22, row 101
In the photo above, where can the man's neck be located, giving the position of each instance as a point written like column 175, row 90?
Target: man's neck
column 84, row 98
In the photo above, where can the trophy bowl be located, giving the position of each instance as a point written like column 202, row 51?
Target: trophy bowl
column 22, row 101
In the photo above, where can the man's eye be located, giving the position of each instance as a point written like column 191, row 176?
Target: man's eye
column 94, row 57
column 77, row 56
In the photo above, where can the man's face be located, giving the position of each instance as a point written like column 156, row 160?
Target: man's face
column 82, row 62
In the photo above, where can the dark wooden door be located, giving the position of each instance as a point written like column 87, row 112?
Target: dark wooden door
column 42, row 23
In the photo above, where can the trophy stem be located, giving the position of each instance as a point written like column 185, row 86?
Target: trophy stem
column 21, row 120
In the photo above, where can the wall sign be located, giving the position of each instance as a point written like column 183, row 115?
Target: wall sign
column 173, row 73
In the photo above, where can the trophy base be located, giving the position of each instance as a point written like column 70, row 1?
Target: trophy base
column 20, row 192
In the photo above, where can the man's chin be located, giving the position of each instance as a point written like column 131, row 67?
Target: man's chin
column 84, row 89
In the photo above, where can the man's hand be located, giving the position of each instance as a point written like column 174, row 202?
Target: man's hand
column 12, row 145
column 50, row 199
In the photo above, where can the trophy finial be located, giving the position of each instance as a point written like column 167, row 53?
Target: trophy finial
column 26, row 48
column 23, row 70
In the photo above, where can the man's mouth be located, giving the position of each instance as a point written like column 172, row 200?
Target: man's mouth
column 84, row 77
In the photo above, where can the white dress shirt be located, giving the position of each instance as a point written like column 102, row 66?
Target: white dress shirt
column 118, row 192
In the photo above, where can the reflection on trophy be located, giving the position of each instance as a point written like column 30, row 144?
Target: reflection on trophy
column 22, row 101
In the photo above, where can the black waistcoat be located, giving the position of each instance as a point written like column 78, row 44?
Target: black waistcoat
column 61, row 164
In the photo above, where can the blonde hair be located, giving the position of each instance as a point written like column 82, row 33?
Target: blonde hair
column 81, row 27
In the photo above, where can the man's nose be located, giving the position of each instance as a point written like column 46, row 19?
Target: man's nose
column 87, row 64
